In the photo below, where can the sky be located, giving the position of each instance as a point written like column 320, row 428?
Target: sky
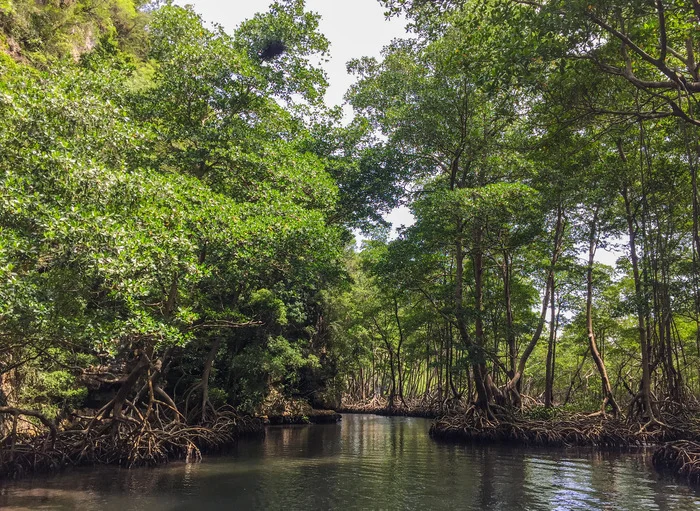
column 355, row 28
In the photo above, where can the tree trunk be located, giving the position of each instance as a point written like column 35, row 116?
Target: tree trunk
column 512, row 385
column 206, row 372
column 549, row 372
column 510, row 330
column 608, row 398
column 639, row 305
column 573, row 378
column 123, row 392
column 398, row 350
column 479, row 363
column 390, row 351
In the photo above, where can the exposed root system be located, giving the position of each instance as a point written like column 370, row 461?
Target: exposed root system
column 120, row 441
column 380, row 406
column 567, row 430
column 681, row 458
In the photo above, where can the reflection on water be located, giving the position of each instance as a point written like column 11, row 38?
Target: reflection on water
column 367, row 462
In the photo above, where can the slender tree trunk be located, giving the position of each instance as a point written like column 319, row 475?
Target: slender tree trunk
column 554, row 346
column 674, row 375
column 157, row 370
column 479, row 363
column 398, row 350
column 363, row 395
column 392, row 391
column 390, row 351
column 510, row 330
column 549, row 373
column 639, row 305
column 208, row 364
column 428, row 371
column 696, row 243
column 440, row 364
column 127, row 386
column 453, row 387
column 573, row 378
column 512, row 385
column 482, row 399
column 608, row 398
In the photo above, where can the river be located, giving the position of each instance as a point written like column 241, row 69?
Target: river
column 365, row 462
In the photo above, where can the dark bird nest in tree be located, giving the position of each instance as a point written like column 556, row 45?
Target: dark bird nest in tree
column 272, row 50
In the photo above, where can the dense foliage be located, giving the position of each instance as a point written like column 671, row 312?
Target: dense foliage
column 177, row 204
column 161, row 212
column 536, row 134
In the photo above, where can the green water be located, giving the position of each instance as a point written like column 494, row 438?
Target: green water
column 366, row 462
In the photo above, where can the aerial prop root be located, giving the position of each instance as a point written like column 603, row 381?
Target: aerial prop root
column 136, row 437
column 560, row 430
column 681, row 458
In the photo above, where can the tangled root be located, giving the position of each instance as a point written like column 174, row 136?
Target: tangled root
column 429, row 409
column 568, row 430
column 121, row 441
column 681, row 458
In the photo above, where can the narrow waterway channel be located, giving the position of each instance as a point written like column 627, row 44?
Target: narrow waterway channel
column 365, row 462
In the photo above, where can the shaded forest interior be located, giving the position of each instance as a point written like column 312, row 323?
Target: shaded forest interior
column 178, row 205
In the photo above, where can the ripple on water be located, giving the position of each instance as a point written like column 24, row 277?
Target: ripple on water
column 366, row 462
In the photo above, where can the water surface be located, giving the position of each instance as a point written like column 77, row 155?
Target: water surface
column 366, row 462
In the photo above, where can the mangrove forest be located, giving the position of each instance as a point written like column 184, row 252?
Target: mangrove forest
column 194, row 244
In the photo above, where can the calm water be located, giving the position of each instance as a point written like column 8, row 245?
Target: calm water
column 367, row 462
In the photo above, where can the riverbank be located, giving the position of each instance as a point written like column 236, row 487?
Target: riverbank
column 380, row 406
column 366, row 462
column 563, row 430
column 278, row 409
column 130, row 443
column 676, row 438
column 393, row 412
column 121, row 443
column 313, row 416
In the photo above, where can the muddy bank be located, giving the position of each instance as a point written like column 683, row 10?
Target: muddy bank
column 426, row 408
